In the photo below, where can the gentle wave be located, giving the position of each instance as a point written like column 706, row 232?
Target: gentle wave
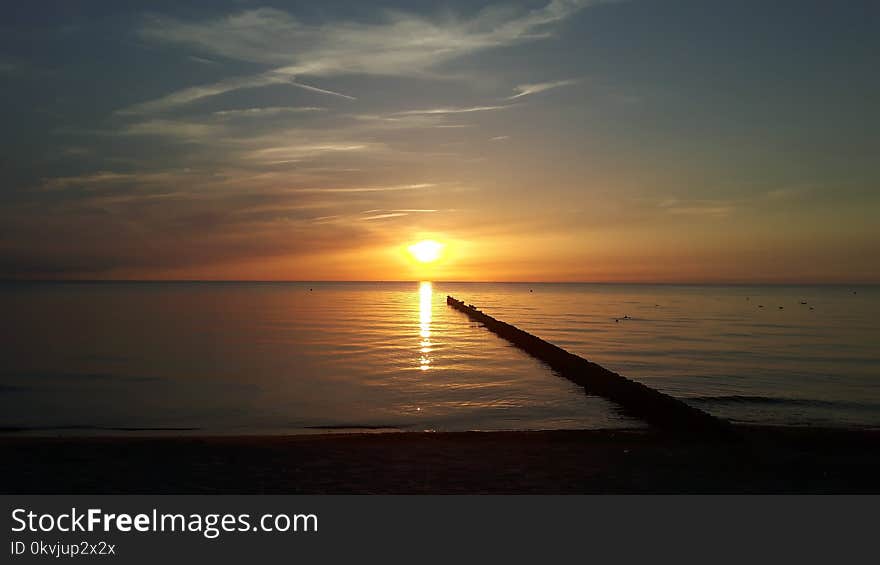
column 255, row 357
column 776, row 400
column 88, row 427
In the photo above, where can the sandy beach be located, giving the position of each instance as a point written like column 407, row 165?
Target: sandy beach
column 765, row 460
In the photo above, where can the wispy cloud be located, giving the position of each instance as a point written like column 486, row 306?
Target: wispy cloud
column 401, row 44
column 196, row 93
column 268, row 111
column 395, row 188
column 322, row 90
column 698, row 207
column 183, row 130
column 192, row 94
column 371, row 215
column 374, row 215
column 59, row 183
column 201, row 60
column 402, row 121
column 385, row 216
column 529, row 89
column 453, row 110
column 274, row 152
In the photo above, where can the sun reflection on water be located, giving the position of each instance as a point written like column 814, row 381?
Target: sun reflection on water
column 426, row 290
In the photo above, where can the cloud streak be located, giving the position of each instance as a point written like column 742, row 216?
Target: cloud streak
column 396, row 188
column 402, row 44
column 529, row 89
column 452, row 110
column 311, row 88
column 268, row 111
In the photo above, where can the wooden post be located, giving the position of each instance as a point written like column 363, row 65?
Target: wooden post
column 635, row 398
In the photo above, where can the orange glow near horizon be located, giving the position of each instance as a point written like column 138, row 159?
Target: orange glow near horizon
column 468, row 254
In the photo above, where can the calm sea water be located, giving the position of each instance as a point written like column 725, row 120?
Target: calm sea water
column 316, row 357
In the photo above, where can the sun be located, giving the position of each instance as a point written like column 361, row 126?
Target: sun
column 426, row 251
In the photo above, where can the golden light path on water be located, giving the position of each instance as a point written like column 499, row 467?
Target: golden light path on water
column 426, row 289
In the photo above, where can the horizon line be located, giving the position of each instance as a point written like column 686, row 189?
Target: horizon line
column 297, row 281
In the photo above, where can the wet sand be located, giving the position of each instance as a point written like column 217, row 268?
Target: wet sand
column 766, row 460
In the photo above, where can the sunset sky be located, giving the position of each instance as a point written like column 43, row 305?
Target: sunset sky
column 641, row 140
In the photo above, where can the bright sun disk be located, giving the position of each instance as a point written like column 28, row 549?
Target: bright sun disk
column 426, row 251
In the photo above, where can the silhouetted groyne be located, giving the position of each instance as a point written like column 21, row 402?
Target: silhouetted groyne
column 636, row 399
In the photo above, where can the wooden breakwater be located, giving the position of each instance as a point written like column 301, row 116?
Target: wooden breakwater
column 636, row 399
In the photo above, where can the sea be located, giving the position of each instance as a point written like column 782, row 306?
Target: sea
column 241, row 358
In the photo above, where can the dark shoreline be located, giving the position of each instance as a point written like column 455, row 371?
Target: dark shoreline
column 764, row 460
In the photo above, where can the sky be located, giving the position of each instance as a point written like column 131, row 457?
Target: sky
column 569, row 140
